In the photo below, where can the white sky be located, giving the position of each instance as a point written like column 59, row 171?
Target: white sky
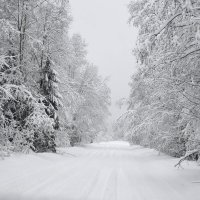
column 104, row 26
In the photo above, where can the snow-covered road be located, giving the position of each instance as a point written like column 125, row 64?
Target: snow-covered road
column 105, row 171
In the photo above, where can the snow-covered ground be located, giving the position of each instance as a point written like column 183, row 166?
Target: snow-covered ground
column 104, row 171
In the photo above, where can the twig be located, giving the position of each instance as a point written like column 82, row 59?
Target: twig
column 189, row 153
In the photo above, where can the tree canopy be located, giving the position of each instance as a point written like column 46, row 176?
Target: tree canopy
column 163, row 106
column 49, row 92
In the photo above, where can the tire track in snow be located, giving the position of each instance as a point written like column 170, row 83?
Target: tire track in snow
column 66, row 180
column 99, row 172
column 98, row 190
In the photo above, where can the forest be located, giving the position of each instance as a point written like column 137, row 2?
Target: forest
column 62, row 136
column 50, row 94
column 164, row 102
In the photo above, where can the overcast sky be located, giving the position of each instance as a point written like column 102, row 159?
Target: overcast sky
column 103, row 25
